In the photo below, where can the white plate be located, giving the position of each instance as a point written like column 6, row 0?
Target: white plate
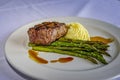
column 79, row 69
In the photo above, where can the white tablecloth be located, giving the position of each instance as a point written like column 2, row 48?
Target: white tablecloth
column 15, row 13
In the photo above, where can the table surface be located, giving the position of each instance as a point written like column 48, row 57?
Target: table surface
column 15, row 13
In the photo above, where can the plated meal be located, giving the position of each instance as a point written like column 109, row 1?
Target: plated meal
column 65, row 48
column 69, row 39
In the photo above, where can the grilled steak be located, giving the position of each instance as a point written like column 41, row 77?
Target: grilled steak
column 46, row 32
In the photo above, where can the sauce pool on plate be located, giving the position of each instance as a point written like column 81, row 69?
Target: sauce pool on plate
column 101, row 39
column 34, row 56
column 62, row 60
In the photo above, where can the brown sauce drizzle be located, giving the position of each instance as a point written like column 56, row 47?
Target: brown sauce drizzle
column 34, row 56
column 102, row 39
column 62, row 60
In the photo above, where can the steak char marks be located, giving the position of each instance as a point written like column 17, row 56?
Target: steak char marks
column 46, row 32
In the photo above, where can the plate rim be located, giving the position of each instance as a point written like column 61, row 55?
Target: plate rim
column 43, row 20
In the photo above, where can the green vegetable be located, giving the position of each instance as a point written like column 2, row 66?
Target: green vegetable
column 86, row 47
column 94, row 54
column 97, row 44
column 45, row 49
column 83, row 49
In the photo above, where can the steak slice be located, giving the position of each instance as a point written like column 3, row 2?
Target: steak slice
column 46, row 32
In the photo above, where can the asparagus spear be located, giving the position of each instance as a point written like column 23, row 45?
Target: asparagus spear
column 74, row 46
column 101, row 46
column 98, row 52
column 94, row 54
column 101, row 51
column 76, row 43
column 85, row 46
column 45, row 49
column 97, row 44
column 80, row 41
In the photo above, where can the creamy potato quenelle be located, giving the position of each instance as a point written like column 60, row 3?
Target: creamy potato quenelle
column 77, row 31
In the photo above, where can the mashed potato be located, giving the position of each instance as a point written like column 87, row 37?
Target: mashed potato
column 77, row 31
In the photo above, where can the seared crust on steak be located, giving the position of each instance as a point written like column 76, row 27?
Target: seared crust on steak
column 46, row 32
